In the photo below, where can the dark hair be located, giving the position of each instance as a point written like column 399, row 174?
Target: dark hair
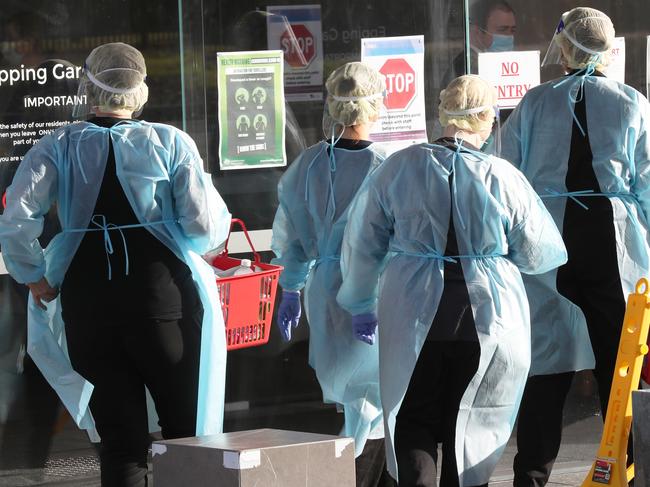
column 480, row 13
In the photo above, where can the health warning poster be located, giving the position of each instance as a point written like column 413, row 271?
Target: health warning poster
column 512, row 73
column 401, row 61
column 297, row 31
column 251, row 109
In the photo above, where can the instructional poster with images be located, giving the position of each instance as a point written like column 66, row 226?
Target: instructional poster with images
column 297, row 30
column 251, row 109
column 400, row 60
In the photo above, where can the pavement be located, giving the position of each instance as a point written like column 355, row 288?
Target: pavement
column 30, row 458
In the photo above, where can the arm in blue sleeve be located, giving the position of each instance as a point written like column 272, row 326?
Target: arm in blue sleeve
column 535, row 244
column 365, row 245
column 289, row 251
column 641, row 157
column 29, row 198
column 199, row 208
column 511, row 145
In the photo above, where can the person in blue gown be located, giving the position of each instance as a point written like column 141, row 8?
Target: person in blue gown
column 314, row 196
column 582, row 142
column 120, row 299
column 432, row 258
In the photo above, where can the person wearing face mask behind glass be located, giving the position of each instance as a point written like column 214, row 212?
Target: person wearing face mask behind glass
column 492, row 29
column 582, row 141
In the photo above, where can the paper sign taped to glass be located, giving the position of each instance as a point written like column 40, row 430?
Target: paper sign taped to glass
column 251, row 109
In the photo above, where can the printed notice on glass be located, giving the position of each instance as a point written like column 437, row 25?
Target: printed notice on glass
column 401, row 61
column 616, row 68
column 512, row 73
column 298, row 32
column 251, row 109
column 36, row 100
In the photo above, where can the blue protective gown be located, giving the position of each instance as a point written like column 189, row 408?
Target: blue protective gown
column 537, row 139
column 162, row 175
column 399, row 223
column 314, row 195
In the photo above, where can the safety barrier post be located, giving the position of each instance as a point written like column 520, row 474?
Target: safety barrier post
column 609, row 466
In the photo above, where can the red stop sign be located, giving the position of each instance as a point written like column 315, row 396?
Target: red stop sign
column 400, row 83
column 299, row 46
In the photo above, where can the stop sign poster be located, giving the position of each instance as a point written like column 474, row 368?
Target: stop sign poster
column 251, row 109
column 512, row 73
column 401, row 61
column 297, row 31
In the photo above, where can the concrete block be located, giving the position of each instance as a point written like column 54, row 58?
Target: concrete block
column 265, row 457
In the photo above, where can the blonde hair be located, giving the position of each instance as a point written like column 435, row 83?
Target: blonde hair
column 354, row 94
column 586, row 28
column 468, row 93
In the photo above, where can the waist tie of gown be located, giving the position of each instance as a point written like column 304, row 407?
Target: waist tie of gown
column 434, row 254
column 626, row 198
column 102, row 226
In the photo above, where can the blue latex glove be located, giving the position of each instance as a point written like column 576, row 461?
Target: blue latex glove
column 289, row 313
column 364, row 327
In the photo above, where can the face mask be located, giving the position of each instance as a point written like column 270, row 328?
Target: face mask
column 501, row 43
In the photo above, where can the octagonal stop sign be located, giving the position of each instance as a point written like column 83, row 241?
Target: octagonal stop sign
column 299, row 46
column 400, row 83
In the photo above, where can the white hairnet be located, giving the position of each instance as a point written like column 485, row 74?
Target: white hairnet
column 113, row 79
column 468, row 103
column 587, row 37
column 355, row 93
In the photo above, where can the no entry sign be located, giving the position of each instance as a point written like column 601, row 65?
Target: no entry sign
column 512, row 74
column 401, row 61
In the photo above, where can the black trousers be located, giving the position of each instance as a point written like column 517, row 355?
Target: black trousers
column 591, row 280
column 120, row 358
column 429, row 411
column 539, row 428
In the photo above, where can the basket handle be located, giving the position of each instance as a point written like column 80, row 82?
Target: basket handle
column 243, row 227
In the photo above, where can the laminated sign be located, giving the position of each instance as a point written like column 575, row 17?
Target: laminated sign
column 401, row 61
column 616, row 68
column 297, row 31
column 251, row 109
column 512, row 73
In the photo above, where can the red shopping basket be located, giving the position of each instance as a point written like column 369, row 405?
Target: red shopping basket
column 246, row 300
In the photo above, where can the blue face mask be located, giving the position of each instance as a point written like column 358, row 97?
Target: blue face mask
column 501, row 43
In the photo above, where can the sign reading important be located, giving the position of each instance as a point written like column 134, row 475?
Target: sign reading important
column 297, row 31
column 251, row 109
column 401, row 61
column 512, row 73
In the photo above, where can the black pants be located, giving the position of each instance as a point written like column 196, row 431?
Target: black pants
column 591, row 280
column 371, row 466
column 539, row 428
column 120, row 358
column 429, row 411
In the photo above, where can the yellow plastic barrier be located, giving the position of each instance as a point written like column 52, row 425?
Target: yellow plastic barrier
column 610, row 465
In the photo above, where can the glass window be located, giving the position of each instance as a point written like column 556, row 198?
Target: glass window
column 44, row 42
